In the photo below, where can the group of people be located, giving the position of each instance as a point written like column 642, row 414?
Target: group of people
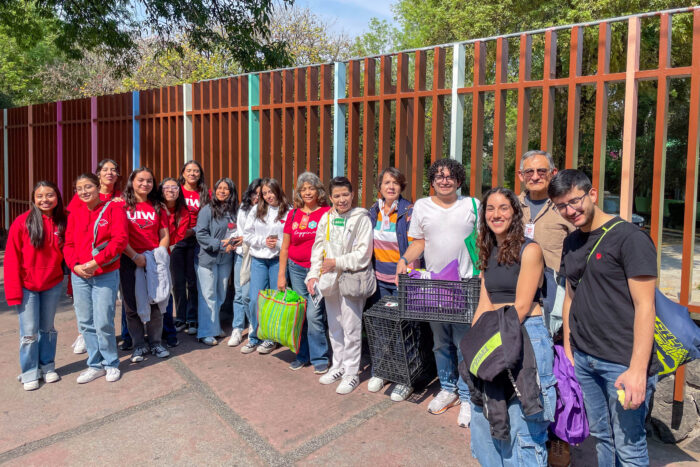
column 530, row 248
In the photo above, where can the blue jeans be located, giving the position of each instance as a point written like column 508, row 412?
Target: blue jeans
column 621, row 436
column 263, row 275
column 526, row 445
column 314, row 345
column 37, row 336
column 95, row 300
column 211, row 285
column 446, row 338
column 241, row 297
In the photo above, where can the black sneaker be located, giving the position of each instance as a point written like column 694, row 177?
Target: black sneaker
column 172, row 341
column 126, row 344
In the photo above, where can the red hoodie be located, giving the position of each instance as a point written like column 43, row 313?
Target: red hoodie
column 112, row 229
column 26, row 267
column 177, row 231
column 76, row 202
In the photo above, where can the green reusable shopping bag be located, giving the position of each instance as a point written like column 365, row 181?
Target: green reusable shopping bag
column 281, row 317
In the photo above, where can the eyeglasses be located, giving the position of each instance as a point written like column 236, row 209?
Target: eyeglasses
column 528, row 173
column 173, row 189
column 575, row 203
column 445, row 178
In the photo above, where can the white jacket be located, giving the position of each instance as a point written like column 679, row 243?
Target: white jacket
column 152, row 284
column 350, row 244
column 256, row 232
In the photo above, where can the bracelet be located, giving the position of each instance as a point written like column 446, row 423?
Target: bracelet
column 134, row 257
column 404, row 260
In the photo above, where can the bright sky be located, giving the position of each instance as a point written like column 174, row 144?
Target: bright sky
column 350, row 16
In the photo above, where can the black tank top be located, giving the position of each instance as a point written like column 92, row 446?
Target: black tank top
column 501, row 280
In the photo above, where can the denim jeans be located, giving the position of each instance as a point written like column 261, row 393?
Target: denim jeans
column 241, row 297
column 314, row 344
column 37, row 336
column 263, row 275
column 211, row 284
column 621, row 436
column 526, row 445
column 446, row 338
column 95, row 300
column 182, row 267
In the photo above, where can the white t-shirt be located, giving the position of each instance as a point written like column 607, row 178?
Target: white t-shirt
column 444, row 231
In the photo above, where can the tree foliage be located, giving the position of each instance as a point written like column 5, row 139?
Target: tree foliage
column 238, row 28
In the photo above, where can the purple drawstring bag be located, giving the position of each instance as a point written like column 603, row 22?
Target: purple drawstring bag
column 570, row 423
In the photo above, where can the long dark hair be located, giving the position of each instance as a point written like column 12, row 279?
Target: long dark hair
column 276, row 188
column 130, row 196
column 247, row 198
column 230, row 206
column 509, row 251
column 35, row 221
column 179, row 201
column 117, row 184
column 202, row 187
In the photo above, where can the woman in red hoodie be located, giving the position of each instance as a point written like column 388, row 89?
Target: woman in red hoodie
column 33, row 281
column 96, row 236
column 178, row 224
column 108, row 173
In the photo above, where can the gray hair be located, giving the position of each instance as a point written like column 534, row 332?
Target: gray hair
column 537, row 152
column 313, row 180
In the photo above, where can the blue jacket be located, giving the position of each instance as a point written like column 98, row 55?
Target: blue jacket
column 403, row 218
column 210, row 232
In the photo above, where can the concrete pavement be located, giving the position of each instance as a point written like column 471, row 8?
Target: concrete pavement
column 217, row 406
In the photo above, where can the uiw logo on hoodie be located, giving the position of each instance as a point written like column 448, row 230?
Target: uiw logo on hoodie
column 141, row 218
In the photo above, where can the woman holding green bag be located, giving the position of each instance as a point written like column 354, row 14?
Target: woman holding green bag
column 310, row 204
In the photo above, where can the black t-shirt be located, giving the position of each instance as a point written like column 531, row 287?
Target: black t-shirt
column 601, row 318
column 535, row 205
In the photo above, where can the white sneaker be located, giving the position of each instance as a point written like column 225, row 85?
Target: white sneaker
column 51, row 377
column 443, row 401
column 465, row 415
column 332, row 376
column 236, row 338
column 90, row 374
column 248, row 348
column 79, row 345
column 348, row 384
column 113, row 374
column 401, row 393
column 375, row 384
column 192, row 330
column 266, row 347
column 31, row 385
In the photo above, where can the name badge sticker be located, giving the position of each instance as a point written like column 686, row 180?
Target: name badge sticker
column 339, row 222
column 530, row 231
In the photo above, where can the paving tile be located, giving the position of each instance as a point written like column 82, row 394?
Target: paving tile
column 405, row 434
column 183, row 431
column 53, row 408
column 286, row 407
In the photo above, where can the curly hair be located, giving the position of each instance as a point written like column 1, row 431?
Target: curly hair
column 455, row 167
column 313, row 180
column 509, row 252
